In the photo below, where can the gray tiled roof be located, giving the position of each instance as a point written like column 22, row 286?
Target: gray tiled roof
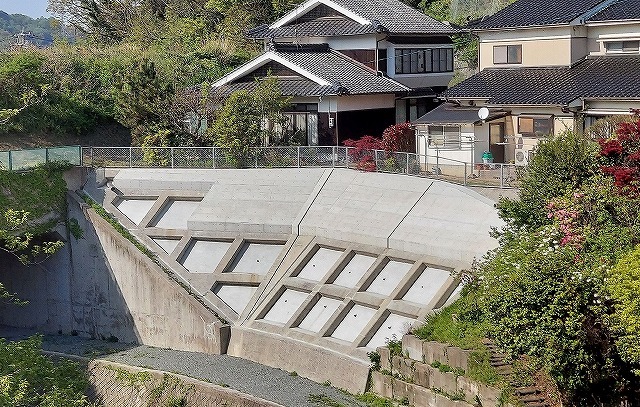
column 339, row 70
column 605, row 77
column 325, row 27
column 396, row 16
column 620, row 10
column 393, row 15
column 529, row 13
column 450, row 113
column 345, row 75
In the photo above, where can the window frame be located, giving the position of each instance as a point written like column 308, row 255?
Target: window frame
column 507, row 53
column 411, row 61
column 625, row 48
column 534, row 120
column 449, row 141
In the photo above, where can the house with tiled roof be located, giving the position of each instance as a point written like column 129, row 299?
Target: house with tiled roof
column 545, row 67
column 351, row 67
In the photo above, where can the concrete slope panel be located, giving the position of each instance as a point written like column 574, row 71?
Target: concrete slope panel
column 449, row 222
column 149, row 181
column 255, row 201
column 362, row 207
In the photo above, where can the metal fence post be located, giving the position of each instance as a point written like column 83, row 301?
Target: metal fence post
column 465, row 174
column 502, row 176
column 130, row 157
column 298, row 156
column 10, row 161
column 213, row 157
column 171, row 151
column 333, row 156
column 438, row 172
column 46, row 155
column 407, row 163
column 346, row 156
column 255, row 156
column 91, row 155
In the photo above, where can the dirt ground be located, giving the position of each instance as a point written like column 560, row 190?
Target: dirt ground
column 106, row 135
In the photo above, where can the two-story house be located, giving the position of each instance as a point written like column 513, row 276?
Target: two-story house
column 545, row 67
column 352, row 67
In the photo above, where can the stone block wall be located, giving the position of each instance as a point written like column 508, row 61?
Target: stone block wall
column 402, row 377
column 429, row 352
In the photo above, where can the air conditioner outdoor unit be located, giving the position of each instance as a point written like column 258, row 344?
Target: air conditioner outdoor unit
column 522, row 156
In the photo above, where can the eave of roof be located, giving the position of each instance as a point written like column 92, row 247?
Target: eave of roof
column 537, row 13
column 600, row 77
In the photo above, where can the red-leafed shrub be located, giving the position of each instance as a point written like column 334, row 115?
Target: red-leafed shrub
column 399, row 137
column 362, row 152
column 620, row 156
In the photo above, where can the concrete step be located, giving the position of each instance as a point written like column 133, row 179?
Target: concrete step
column 532, row 398
column 524, row 391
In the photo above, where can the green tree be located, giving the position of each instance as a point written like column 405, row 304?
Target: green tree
column 241, row 122
column 561, row 164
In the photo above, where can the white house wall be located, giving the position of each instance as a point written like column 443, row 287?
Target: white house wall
column 452, row 157
column 364, row 102
column 548, row 47
column 598, row 34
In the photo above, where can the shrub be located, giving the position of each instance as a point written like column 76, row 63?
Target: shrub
column 623, row 286
column 561, row 163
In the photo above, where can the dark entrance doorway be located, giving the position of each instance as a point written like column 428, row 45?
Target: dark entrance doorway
column 496, row 141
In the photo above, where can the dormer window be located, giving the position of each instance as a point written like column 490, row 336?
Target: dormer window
column 507, row 54
column 618, row 47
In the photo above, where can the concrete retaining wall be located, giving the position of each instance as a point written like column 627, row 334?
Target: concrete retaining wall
column 117, row 385
column 311, row 361
column 102, row 286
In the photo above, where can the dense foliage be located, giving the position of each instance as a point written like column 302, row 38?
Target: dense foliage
column 27, row 378
column 561, row 288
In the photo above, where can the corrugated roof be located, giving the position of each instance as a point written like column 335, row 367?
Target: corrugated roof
column 619, row 11
column 529, row 13
column 605, row 77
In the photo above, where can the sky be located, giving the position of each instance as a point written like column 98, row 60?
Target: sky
column 31, row 8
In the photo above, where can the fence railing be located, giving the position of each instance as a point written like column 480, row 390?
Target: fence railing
column 465, row 173
column 20, row 160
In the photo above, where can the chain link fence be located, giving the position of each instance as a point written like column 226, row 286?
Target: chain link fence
column 489, row 175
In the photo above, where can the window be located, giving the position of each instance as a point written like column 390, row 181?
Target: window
column 507, row 54
column 535, row 126
column 421, row 60
column 622, row 46
column 446, row 137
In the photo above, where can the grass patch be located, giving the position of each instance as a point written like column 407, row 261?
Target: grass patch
column 447, row 326
column 450, row 326
column 324, row 400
